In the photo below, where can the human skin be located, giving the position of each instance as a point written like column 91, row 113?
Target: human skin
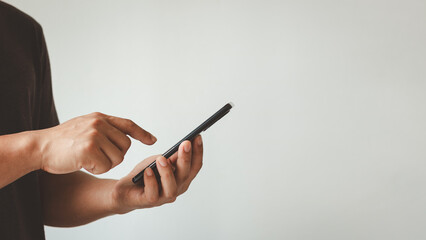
column 96, row 142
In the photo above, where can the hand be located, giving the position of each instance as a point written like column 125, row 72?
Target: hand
column 176, row 175
column 95, row 142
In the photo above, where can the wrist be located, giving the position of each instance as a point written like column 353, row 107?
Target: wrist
column 113, row 204
column 117, row 203
column 30, row 148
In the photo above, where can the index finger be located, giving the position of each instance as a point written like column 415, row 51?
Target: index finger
column 130, row 128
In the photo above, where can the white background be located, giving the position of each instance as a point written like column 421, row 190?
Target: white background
column 328, row 136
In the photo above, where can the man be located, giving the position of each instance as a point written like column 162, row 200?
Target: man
column 40, row 181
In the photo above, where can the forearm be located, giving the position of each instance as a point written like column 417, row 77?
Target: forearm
column 75, row 199
column 78, row 198
column 18, row 156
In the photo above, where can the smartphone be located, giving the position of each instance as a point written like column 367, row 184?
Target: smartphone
column 138, row 179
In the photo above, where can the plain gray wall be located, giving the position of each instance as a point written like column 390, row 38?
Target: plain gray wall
column 328, row 136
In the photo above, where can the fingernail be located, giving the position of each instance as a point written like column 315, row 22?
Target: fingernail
column 163, row 162
column 200, row 141
column 187, row 147
column 149, row 172
column 154, row 139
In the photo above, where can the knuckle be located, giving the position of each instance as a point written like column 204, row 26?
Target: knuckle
column 187, row 159
column 103, row 168
column 171, row 199
column 185, row 177
column 185, row 188
column 167, row 175
column 197, row 167
column 96, row 122
column 130, row 123
column 90, row 146
column 171, row 195
column 91, row 168
column 108, row 166
column 127, row 143
column 120, row 158
column 152, row 199
column 97, row 167
column 93, row 133
column 97, row 114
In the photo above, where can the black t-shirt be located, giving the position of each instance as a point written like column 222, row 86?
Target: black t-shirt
column 26, row 103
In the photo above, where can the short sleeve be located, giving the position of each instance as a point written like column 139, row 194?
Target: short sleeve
column 48, row 116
